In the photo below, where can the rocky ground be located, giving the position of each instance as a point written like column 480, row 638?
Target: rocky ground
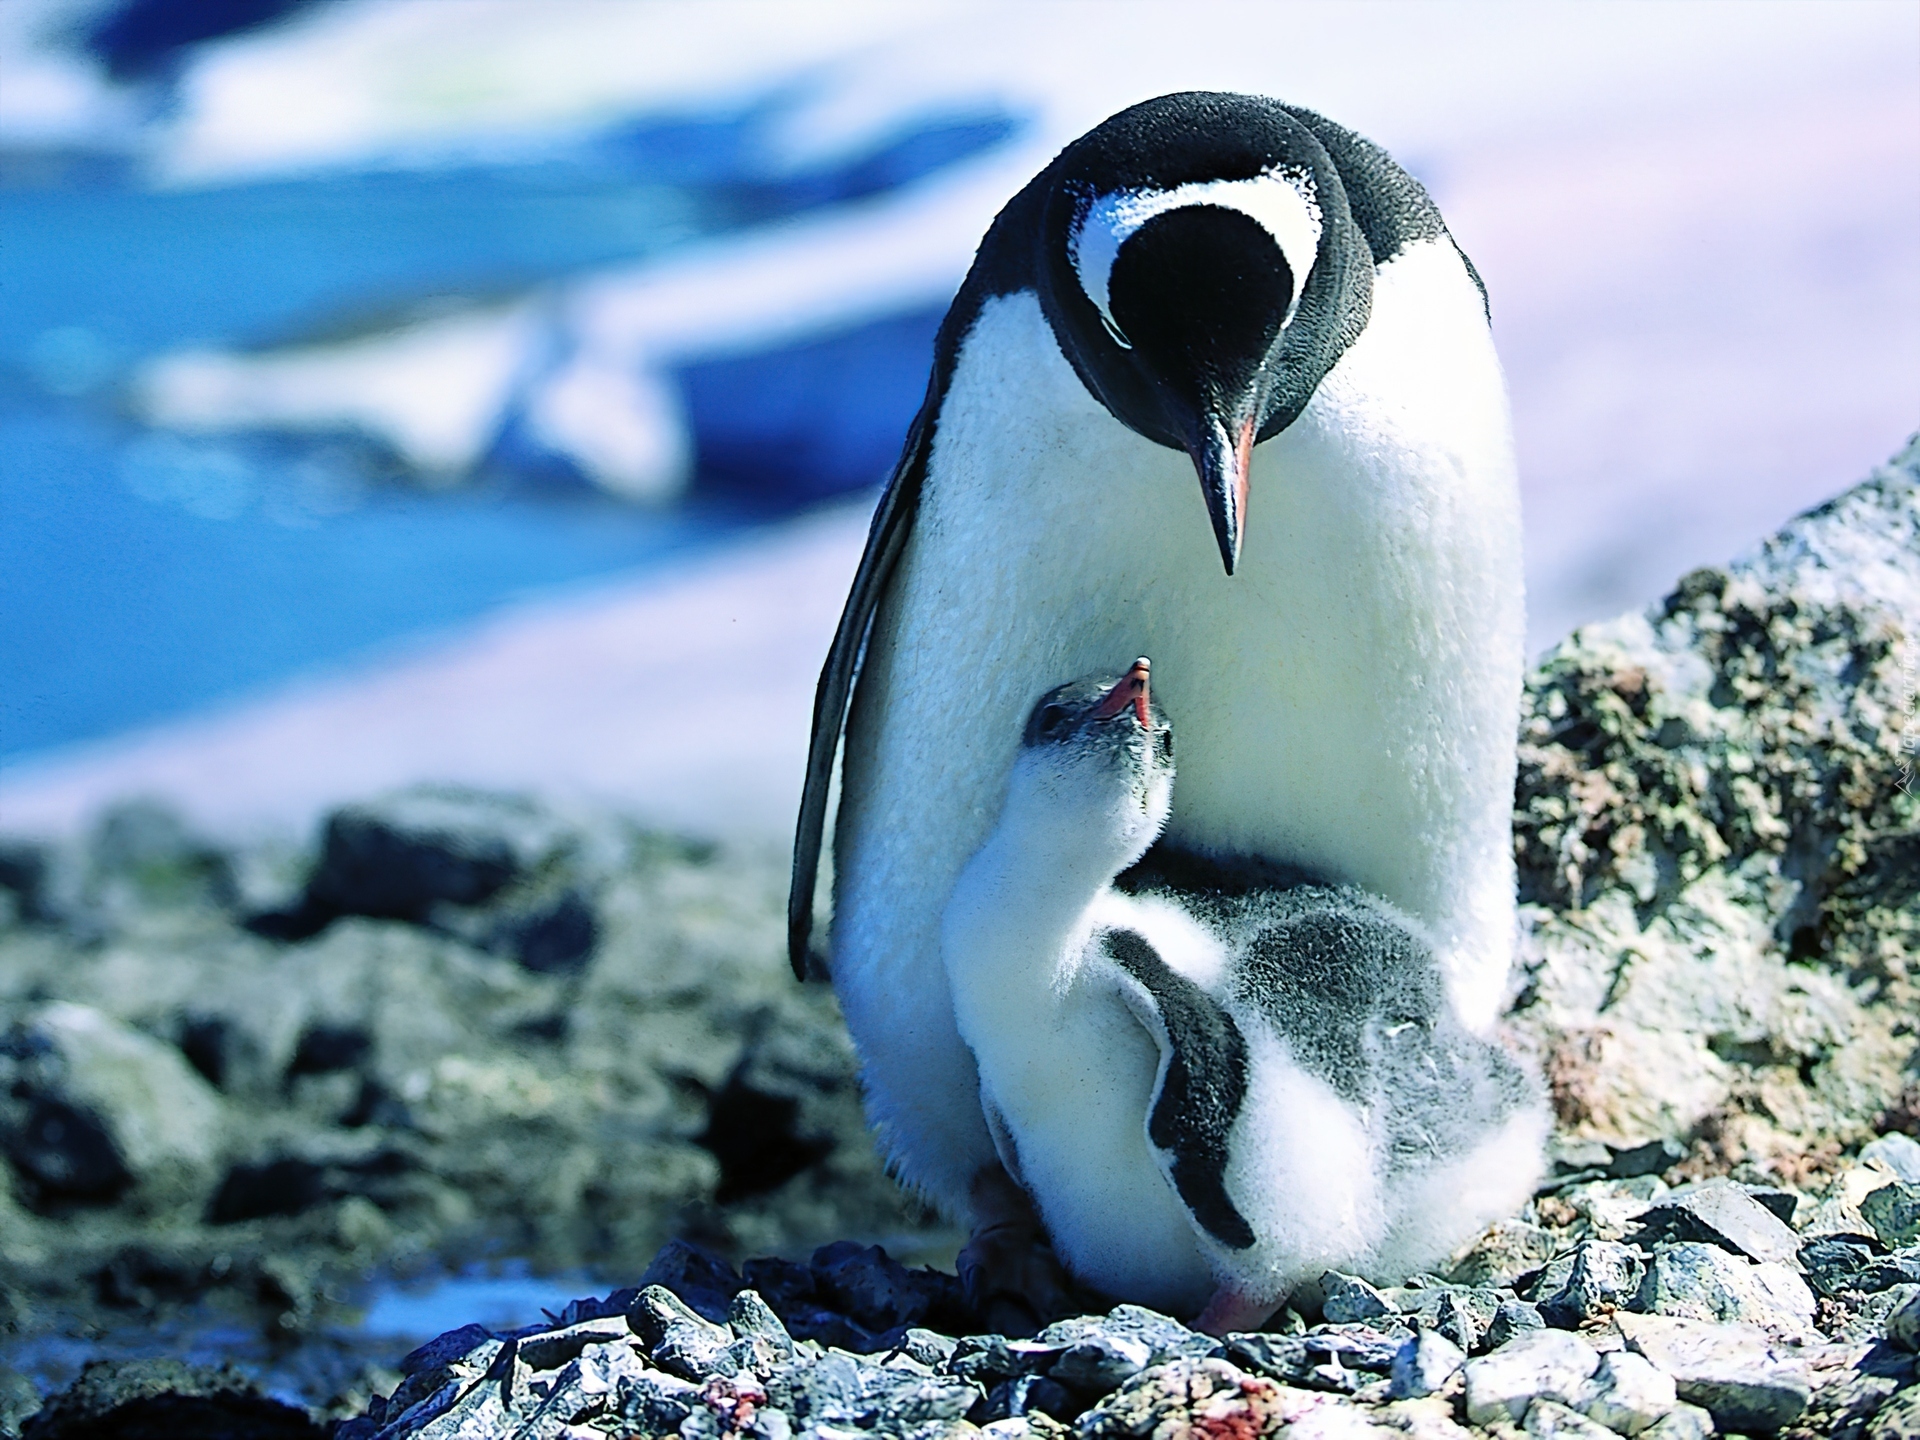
column 465, row 1028
column 237, row 1084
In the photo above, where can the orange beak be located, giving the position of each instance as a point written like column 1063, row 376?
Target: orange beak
column 1222, row 461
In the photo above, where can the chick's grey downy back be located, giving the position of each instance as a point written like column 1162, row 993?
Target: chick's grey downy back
column 1353, row 988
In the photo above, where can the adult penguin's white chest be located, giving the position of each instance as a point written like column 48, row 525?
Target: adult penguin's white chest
column 1346, row 702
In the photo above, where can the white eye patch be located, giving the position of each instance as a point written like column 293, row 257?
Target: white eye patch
column 1282, row 201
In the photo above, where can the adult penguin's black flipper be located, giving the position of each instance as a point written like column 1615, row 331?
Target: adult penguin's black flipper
column 886, row 539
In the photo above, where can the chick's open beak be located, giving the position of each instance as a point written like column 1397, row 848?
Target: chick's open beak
column 1131, row 690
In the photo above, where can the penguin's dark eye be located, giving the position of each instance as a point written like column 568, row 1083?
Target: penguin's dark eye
column 1047, row 722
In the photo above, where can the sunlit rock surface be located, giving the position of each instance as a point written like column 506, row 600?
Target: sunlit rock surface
column 1718, row 834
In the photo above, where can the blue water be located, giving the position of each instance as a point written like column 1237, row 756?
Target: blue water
column 143, row 575
column 502, row 1299
column 398, row 1316
column 118, row 607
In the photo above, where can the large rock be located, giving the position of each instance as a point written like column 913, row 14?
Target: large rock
column 94, row 1110
column 1733, row 1371
column 1719, row 854
column 164, row 1397
column 1724, row 1215
column 23, row 878
column 293, row 1113
column 1704, row 1282
column 400, row 857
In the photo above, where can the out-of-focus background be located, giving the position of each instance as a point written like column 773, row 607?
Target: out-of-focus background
column 494, row 391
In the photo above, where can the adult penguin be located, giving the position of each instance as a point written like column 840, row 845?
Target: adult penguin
column 1205, row 284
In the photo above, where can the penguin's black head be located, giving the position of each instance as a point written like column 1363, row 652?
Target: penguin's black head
column 1202, row 274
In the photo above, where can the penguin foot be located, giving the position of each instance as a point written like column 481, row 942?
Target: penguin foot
column 1229, row 1311
column 1013, row 1280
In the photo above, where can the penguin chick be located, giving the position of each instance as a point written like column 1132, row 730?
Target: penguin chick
column 1213, row 1087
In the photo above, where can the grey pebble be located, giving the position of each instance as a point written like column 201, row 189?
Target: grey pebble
column 1894, row 1212
column 929, row 1347
column 680, row 1342
column 1550, row 1364
column 1098, row 1354
column 1460, row 1320
column 1327, row 1358
column 1867, row 1315
column 1899, row 1153
column 1721, row 1213
column 1347, row 1298
column 1604, row 1275
column 1550, row 1420
column 843, row 1389
column 1683, row 1422
column 1903, row 1325
column 762, row 1341
column 552, row 1349
column 1630, row 1393
column 1424, row 1364
column 443, row 1350
column 1514, row 1317
column 1473, row 1305
column 1834, row 1264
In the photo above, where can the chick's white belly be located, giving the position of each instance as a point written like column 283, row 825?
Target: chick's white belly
column 1074, row 1094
